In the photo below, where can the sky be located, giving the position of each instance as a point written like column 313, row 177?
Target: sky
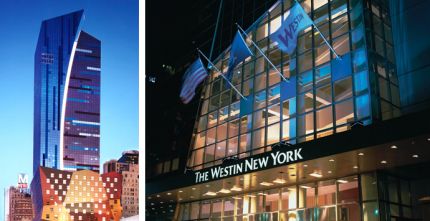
column 113, row 22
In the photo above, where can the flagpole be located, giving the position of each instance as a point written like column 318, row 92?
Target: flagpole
column 222, row 75
column 262, row 53
column 325, row 40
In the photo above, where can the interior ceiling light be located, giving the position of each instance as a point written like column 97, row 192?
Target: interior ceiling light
column 342, row 181
column 209, row 193
column 193, row 188
column 180, row 191
column 355, row 167
column 329, row 171
column 383, row 162
column 236, row 198
column 305, row 165
column 331, row 160
column 360, row 154
column 236, row 188
column 261, row 193
column 424, row 199
column 266, row 184
column 315, row 175
column 224, row 191
column 158, row 195
column 305, row 187
column 280, row 181
column 393, row 147
column 169, row 194
column 415, row 156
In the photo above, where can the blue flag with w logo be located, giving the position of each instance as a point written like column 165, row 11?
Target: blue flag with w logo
column 286, row 35
column 239, row 52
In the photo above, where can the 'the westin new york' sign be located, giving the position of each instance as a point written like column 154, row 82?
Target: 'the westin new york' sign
column 275, row 158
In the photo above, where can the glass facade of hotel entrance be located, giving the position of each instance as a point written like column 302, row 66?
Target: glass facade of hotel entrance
column 368, row 197
column 323, row 96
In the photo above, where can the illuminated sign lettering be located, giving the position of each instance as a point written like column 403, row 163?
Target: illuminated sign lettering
column 275, row 158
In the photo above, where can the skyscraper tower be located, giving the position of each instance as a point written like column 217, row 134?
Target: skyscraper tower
column 66, row 96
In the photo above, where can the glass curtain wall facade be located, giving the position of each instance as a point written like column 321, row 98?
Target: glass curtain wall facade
column 368, row 197
column 66, row 96
column 82, row 110
column 323, row 96
column 51, row 61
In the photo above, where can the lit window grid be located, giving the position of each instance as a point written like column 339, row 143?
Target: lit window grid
column 258, row 201
column 213, row 90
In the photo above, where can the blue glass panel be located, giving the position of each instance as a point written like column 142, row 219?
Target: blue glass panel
column 288, row 89
column 361, row 82
column 246, row 105
column 341, row 68
column 363, row 106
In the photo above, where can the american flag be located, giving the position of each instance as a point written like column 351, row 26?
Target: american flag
column 194, row 75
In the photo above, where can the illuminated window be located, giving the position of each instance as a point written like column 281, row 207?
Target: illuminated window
column 104, row 184
column 104, row 206
column 115, row 180
column 107, row 190
column 56, row 192
column 47, row 180
column 96, row 206
column 76, row 177
column 108, row 179
column 100, row 212
column 111, row 195
column 52, row 186
column 85, row 177
column 47, row 192
column 80, row 217
column 64, row 192
column 60, row 175
column 60, row 198
column 64, row 181
column 111, row 184
column 92, row 178
column 60, row 187
column 52, row 175
column 68, row 176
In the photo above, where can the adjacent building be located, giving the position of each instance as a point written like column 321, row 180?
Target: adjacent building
column 333, row 143
column 66, row 96
column 128, row 166
column 17, row 201
column 79, row 195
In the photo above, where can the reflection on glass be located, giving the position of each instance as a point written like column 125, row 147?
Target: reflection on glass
column 368, row 187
